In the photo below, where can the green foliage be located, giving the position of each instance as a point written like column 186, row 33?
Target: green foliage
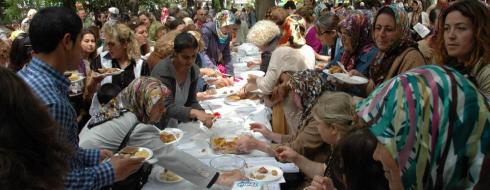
column 11, row 10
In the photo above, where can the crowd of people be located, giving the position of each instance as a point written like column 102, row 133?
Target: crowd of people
column 420, row 121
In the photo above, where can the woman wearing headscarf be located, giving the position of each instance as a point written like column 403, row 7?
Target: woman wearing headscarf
column 431, row 128
column 137, row 108
column 217, row 36
column 359, row 49
column 397, row 52
column 418, row 15
column 288, row 57
column 435, row 125
column 305, row 86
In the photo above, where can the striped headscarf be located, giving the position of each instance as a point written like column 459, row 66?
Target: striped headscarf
column 138, row 97
column 435, row 124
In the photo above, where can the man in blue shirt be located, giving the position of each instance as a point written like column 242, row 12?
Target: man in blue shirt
column 55, row 39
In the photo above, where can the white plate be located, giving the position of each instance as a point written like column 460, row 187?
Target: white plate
column 119, row 71
column 140, row 149
column 350, row 79
column 177, row 132
column 244, row 75
column 245, row 110
column 80, row 78
column 268, row 175
column 157, row 176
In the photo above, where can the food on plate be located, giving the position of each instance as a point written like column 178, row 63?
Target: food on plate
column 107, row 70
column 169, row 176
column 263, row 170
column 233, row 98
column 211, row 91
column 274, row 172
column 142, row 154
column 335, row 69
column 167, row 137
column 222, row 144
column 236, row 97
column 134, row 152
column 74, row 77
column 258, row 176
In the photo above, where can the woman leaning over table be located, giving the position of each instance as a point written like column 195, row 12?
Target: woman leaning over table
column 180, row 73
column 305, row 87
column 431, row 129
column 326, row 32
column 217, row 36
column 287, row 57
column 123, row 53
column 397, row 52
column 465, row 41
column 140, row 105
column 335, row 118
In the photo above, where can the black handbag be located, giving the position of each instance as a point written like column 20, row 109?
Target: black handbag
column 137, row 180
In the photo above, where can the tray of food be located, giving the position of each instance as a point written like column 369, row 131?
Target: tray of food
column 224, row 144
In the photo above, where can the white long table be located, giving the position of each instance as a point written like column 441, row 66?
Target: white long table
column 196, row 139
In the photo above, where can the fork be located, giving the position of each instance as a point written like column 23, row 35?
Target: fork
column 342, row 67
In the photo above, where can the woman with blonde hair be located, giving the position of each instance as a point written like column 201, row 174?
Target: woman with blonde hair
column 290, row 56
column 123, row 53
column 465, row 41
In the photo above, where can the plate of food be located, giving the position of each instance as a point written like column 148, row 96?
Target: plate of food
column 75, row 77
column 171, row 135
column 235, row 98
column 167, row 176
column 333, row 69
column 136, row 152
column 109, row 71
column 214, row 76
column 350, row 79
column 263, row 173
column 224, row 144
column 244, row 75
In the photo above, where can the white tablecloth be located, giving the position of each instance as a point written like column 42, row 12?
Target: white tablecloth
column 196, row 138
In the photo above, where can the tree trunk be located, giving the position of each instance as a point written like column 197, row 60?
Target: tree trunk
column 261, row 7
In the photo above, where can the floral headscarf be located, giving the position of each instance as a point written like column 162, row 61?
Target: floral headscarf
column 383, row 60
column 224, row 18
column 308, row 85
column 435, row 124
column 294, row 29
column 358, row 27
column 138, row 97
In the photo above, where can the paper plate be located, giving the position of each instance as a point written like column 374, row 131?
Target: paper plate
column 350, row 79
column 174, row 131
column 244, row 75
column 272, row 173
column 163, row 180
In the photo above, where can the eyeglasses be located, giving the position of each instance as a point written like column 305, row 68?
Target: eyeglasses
column 326, row 32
